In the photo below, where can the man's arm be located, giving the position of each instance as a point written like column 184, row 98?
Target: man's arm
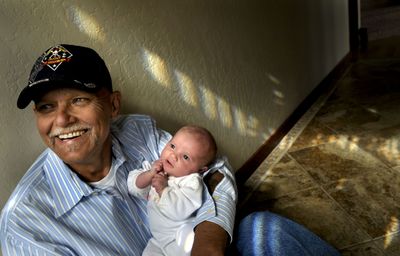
column 210, row 238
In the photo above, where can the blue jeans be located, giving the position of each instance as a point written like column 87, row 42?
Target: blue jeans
column 265, row 233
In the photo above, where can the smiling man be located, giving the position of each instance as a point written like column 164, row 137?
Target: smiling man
column 74, row 199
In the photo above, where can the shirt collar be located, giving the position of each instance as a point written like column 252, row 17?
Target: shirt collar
column 67, row 189
column 218, row 164
column 118, row 153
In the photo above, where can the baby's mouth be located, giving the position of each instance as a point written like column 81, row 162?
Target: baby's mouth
column 168, row 163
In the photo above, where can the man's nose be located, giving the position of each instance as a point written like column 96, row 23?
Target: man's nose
column 64, row 116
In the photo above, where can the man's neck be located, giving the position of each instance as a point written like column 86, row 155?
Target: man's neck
column 97, row 168
column 92, row 173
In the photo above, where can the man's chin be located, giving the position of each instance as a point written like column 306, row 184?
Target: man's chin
column 71, row 158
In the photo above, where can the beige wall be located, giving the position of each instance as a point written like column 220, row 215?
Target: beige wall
column 237, row 67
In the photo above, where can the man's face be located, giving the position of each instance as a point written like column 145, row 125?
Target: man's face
column 76, row 124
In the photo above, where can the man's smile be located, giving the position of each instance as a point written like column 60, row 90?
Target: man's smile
column 71, row 135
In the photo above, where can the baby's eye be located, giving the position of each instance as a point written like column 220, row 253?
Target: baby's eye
column 186, row 157
column 172, row 146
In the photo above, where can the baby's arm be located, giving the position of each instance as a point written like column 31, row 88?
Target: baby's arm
column 144, row 179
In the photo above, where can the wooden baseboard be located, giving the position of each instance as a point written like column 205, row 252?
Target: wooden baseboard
column 250, row 166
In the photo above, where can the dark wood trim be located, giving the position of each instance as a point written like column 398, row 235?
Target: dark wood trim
column 249, row 167
column 353, row 25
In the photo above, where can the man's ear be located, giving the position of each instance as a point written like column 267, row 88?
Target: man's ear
column 115, row 103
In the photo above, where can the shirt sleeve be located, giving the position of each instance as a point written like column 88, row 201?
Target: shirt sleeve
column 220, row 207
column 131, row 182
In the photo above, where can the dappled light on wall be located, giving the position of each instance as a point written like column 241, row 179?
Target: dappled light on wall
column 274, row 79
column 209, row 103
column 214, row 107
column 157, row 68
column 372, row 110
column 86, row 23
column 186, row 88
column 225, row 112
column 279, row 97
column 252, row 126
column 240, row 120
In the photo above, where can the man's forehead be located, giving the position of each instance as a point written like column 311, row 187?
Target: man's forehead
column 64, row 91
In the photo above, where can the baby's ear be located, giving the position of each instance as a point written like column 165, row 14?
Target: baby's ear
column 203, row 170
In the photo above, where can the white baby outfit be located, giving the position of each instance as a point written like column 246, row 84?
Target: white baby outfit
column 171, row 215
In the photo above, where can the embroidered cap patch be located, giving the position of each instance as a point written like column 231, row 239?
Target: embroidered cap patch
column 55, row 56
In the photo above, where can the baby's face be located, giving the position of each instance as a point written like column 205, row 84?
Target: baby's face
column 184, row 154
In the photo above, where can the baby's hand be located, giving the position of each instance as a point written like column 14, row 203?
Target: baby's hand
column 159, row 182
column 156, row 167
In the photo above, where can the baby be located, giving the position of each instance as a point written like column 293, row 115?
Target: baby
column 173, row 187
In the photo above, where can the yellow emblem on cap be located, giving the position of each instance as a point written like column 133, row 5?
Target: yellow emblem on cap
column 55, row 56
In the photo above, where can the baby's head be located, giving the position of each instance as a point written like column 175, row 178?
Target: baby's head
column 191, row 150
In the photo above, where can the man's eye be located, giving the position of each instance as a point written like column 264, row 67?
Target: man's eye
column 186, row 157
column 44, row 108
column 80, row 100
column 172, row 146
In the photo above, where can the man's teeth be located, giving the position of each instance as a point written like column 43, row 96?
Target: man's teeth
column 70, row 135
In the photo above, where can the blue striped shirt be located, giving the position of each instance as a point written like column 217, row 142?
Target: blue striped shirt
column 53, row 212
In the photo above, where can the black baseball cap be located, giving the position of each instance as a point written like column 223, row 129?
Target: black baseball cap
column 63, row 66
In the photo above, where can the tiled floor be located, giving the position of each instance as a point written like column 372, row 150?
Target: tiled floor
column 337, row 172
column 381, row 17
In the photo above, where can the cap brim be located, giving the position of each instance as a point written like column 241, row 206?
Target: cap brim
column 31, row 93
column 24, row 97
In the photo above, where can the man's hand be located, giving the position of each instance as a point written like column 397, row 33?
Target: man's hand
column 210, row 239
